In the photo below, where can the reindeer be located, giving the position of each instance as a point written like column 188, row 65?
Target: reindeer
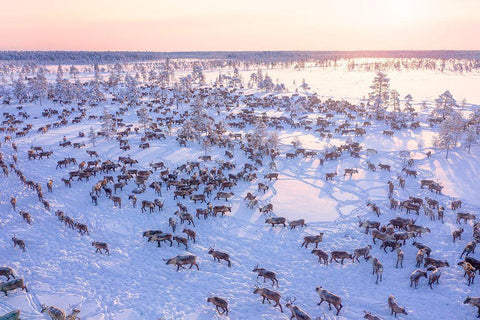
column 361, row 252
column 297, row 223
column 415, row 277
column 185, row 217
column 330, row 176
column 223, row 195
column 297, row 313
column 367, row 224
column 420, row 256
column 219, row 255
column 460, row 215
column 330, row 298
column 182, row 260
column 469, row 271
column 454, row 205
column 116, row 201
column 434, row 276
column 474, row 302
column 349, row 171
column 334, row 255
column 26, row 216
column 19, row 242
column 400, row 256
column 469, row 248
column 388, row 243
column 82, row 228
column 312, row 239
column 12, row 315
column 190, row 234
column 379, row 235
column 394, row 307
column 370, row 316
column 7, row 272
column 384, row 166
column 409, row 172
column 219, row 303
column 374, row 208
column 276, row 220
column 181, row 240
column 12, row 285
column 266, row 274
column 99, row 246
column 435, row 263
column 322, row 256
column 159, row 237
column 13, row 202
column 426, row 249
column 269, row 295
column 58, row 314
column 50, row 185
column 377, row 267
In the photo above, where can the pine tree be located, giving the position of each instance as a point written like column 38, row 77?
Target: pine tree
column 379, row 96
column 143, row 118
column 445, row 103
column 92, row 137
column 471, row 137
column 107, row 124
column 395, row 100
column 451, row 130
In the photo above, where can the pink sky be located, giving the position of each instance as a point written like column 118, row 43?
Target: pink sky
column 184, row 25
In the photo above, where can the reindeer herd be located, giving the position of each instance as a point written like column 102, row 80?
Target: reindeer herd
column 210, row 185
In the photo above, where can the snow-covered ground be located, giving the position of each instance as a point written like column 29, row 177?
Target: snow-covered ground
column 61, row 268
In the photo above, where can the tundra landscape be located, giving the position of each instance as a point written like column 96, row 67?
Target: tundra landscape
column 199, row 188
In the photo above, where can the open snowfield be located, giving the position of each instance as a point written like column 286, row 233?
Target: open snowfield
column 61, row 268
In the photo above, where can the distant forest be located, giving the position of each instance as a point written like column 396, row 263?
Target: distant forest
column 106, row 57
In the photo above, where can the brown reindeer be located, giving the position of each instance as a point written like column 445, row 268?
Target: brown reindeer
column 415, row 277
column 312, row 239
column 99, row 246
column 269, row 295
column 342, row 255
column 219, row 303
column 457, row 234
column 297, row 223
column 219, row 255
column 434, row 276
column 322, row 256
column 394, row 307
column 18, row 242
column 26, row 216
column 377, row 268
column 330, row 298
column 181, row 240
column 190, row 234
column 12, row 285
column 13, row 202
column 266, row 274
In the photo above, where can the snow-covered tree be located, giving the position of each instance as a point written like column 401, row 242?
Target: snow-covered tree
column 41, row 85
column 197, row 74
column 451, row 131
column 470, row 137
column 445, row 103
column 305, row 87
column 408, row 102
column 143, row 118
column 108, row 124
column 395, row 100
column 379, row 96
column 20, row 90
column 92, row 137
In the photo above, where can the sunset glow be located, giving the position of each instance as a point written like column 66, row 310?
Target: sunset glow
column 173, row 25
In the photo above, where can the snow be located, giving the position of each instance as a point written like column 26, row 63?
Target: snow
column 61, row 268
